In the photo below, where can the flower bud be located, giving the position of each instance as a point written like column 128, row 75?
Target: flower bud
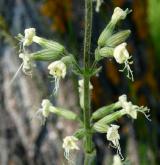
column 111, row 117
column 67, row 114
column 106, row 33
column 46, row 55
column 49, row 44
column 118, row 38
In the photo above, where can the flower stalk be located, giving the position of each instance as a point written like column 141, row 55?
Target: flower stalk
column 88, row 144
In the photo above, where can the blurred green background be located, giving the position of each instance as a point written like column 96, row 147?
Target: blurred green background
column 26, row 142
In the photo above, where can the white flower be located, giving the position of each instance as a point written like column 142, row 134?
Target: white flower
column 27, row 63
column 130, row 109
column 69, row 143
column 120, row 53
column 58, row 70
column 118, row 14
column 117, row 160
column 44, row 112
column 114, row 137
column 112, row 133
column 121, row 56
column 46, row 104
column 28, row 38
column 98, row 4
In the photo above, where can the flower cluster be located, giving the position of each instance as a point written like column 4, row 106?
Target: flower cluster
column 111, row 113
column 110, row 44
column 113, row 45
column 51, row 51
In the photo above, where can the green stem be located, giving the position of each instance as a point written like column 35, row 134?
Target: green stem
column 87, row 114
column 88, row 30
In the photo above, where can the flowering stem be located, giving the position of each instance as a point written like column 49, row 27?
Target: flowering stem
column 87, row 114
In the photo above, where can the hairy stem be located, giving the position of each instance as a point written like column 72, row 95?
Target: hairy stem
column 88, row 30
column 87, row 114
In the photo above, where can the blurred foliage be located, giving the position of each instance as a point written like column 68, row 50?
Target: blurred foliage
column 59, row 13
column 5, row 32
column 153, row 19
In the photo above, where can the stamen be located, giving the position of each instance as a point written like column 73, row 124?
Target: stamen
column 129, row 71
column 143, row 110
column 16, row 74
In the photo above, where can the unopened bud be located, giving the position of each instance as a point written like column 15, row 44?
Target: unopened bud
column 67, row 114
column 103, row 111
column 106, row 33
column 111, row 117
column 118, row 38
column 49, row 44
column 46, row 55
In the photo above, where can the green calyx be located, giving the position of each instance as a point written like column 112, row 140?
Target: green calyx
column 106, row 33
column 110, row 118
column 117, row 38
column 67, row 114
column 103, row 111
column 46, row 55
column 49, row 44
